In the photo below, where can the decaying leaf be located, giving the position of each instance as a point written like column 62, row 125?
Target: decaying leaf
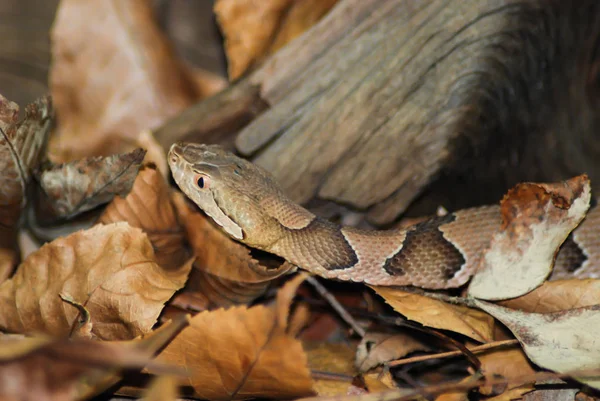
column 559, row 295
column 243, row 352
column 66, row 190
column 378, row 348
column 109, row 87
column 253, row 29
column 510, row 364
column 21, row 143
column 229, row 272
column 440, row 315
column 148, row 206
column 40, row 368
column 110, row 269
column 563, row 341
column 537, row 218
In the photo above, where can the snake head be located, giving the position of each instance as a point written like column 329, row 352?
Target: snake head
column 227, row 188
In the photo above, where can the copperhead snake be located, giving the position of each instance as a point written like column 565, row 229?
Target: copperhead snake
column 442, row 252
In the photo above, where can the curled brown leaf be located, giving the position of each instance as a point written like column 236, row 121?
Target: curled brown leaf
column 110, row 269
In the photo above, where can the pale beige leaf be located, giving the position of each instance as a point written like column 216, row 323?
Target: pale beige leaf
column 242, row 352
column 440, row 315
column 66, row 190
column 537, row 218
column 378, row 348
column 563, row 341
column 113, row 74
column 148, row 206
column 110, row 269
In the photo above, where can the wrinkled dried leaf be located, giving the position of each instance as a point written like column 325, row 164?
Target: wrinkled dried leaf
column 155, row 153
column 440, row 315
column 46, row 369
column 561, row 341
column 110, row 269
column 66, row 190
column 378, row 348
column 254, row 29
column 554, row 296
column 148, row 206
column 537, row 218
column 552, row 394
column 228, row 272
column 112, row 78
column 237, row 353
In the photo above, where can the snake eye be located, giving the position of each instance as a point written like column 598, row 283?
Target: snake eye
column 202, row 181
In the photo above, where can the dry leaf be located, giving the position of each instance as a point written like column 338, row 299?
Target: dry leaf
column 333, row 361
column 112, row 78
column 66, row 190
column 554, row 296
column 561, row 341
column 148, row 206
column 109, row 269
column 162, row 388
column 552, row 394
column 21, row 143
column 512, row 365
column 253, row 29
column 537, row 218
column 242, row 353
column 378, row 348
column 45, row 369
column 228, row 272
column 440, row 315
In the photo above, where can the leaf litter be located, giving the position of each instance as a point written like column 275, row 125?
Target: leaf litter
column 93, row 304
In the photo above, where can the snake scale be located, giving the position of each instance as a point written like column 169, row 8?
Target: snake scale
column 442, row 252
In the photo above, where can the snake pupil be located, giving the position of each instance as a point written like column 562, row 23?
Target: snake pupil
column 201, row 182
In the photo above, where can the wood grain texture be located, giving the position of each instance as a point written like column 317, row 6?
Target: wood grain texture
column 382, row 98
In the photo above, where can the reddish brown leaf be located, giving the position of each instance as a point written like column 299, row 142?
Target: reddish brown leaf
column 44, row 369
column 68, row 189
column 226, row 272
column 111, row 78
column 110, row 269
column 510, row 364
column 148, row 206
column 243, row 353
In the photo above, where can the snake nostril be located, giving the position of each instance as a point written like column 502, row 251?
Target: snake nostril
column 174, row 158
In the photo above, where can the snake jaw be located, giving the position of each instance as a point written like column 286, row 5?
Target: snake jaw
column 181, row 171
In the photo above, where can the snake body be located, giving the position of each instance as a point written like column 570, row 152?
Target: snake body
column 442, row 252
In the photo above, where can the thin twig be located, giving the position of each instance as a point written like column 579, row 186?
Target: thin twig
column 346, row 317
column 477, row 349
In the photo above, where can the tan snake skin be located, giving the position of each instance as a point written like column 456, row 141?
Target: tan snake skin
column 442, row 252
